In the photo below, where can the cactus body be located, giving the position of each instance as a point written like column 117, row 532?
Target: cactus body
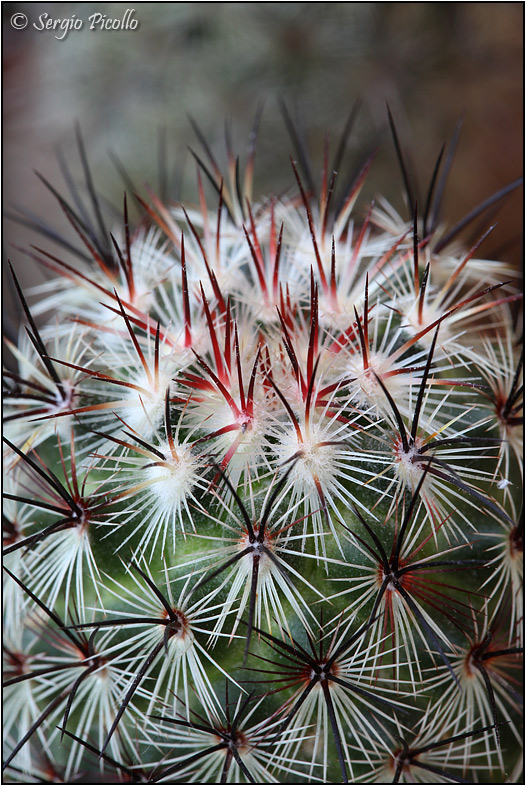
column 262, row 517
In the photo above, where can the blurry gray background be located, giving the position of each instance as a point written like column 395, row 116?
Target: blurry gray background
column 430, row 61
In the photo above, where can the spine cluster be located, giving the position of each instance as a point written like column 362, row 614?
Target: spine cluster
column 262, row 517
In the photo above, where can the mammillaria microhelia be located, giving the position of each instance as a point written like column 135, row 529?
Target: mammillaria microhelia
column 263, row 464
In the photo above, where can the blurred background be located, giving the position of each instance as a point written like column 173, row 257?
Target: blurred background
column 432, row 62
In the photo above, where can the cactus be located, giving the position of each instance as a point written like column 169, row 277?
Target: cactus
column 262, row 517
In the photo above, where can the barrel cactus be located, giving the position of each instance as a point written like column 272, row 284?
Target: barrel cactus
column 262, row 516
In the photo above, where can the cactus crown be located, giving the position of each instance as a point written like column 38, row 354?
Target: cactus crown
column 262, row 519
